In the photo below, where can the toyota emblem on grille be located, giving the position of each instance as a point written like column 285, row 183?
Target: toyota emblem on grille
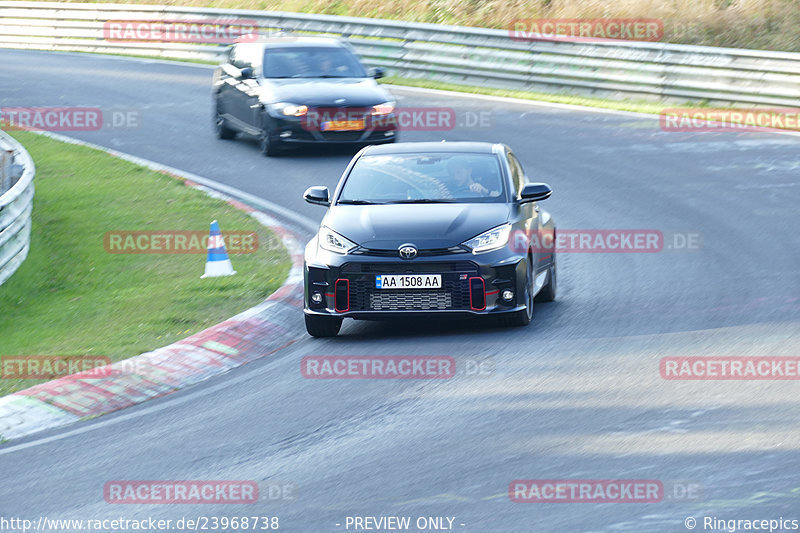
column 408, row 252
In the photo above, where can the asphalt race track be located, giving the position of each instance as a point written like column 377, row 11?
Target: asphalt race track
column 577, row 395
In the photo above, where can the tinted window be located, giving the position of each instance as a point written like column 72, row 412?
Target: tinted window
column 434, row 177
column 311, row 62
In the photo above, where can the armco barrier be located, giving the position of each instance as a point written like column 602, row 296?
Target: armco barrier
column 16, row 205
column 455, row 54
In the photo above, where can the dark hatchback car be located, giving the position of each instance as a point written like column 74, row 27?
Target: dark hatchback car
column 429, row 228
column 289, row 90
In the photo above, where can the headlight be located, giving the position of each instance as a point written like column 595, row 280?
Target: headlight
column 383, row 109
column 489, row 240
column 333, row 242
column 290, row 110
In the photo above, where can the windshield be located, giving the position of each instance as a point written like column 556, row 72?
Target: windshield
column 311, row 62
column 424, row 178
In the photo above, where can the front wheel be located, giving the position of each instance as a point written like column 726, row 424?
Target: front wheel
column 267, row 142
column 323, row 326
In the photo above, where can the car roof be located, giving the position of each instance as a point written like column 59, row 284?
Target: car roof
column 289, row 40
column 432, row 147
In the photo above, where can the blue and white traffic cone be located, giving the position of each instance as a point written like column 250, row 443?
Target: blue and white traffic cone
column 218, row 263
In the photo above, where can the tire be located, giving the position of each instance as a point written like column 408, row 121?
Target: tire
column 523, row 317
column 221, row 129
column 323, row 326
column 268, row 144
column 548, row 292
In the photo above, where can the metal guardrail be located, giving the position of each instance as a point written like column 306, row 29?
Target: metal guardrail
column 454, row 54
column 16, row 205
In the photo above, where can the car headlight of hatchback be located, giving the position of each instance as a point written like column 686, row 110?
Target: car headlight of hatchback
column 489, row 240
column 290, row 110
column 385, row 108
column 333, row 242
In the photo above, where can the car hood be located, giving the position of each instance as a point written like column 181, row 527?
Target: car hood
column 386, row 227
column 325, row 91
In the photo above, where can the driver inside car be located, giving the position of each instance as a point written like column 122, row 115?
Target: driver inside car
column 462, row 184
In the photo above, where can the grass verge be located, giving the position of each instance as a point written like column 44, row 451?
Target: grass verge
column 71, row 297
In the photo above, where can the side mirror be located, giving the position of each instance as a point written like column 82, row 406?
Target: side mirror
column 246, row 73
column 377, row 72
column 535, row 192
column 317, row 195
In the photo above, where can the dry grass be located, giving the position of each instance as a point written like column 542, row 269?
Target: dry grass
column 759, row 24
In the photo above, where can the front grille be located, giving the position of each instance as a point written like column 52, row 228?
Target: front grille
column 410, row 300
column 420, row 253
column 454, row 293
column 342, row 136
column 364, row 296
column 410, row 267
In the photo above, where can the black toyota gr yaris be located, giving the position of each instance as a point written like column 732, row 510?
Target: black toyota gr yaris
column 416, row 229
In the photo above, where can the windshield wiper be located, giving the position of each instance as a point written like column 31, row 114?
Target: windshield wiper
column 356, row 202
column 422, row 201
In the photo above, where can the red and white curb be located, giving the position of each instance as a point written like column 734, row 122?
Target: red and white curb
column 252, row 334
